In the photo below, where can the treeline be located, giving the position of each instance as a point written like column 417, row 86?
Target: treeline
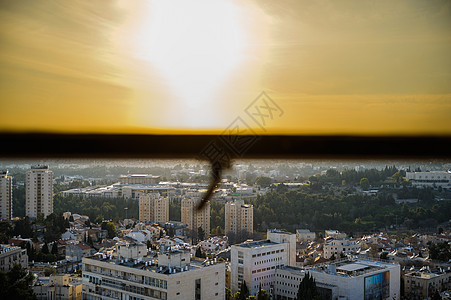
column 97, row 208
column 353, row 177
column 345, row 210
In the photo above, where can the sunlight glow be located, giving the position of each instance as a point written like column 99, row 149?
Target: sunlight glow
column 194, row 44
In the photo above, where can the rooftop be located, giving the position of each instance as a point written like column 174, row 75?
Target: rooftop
column 140, row 176
column 150, row 263
column 256, row 244
column 352, row 267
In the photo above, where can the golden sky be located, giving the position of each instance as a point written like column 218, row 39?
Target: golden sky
column 350, row 67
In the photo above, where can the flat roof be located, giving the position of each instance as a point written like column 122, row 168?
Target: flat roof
column 256, row 244
column 352, row 267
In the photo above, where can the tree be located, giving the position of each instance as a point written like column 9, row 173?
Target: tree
column 244, row 291
column 16, row 284
column 228, row 294
column 307, row 288
column 55, row 248
column 364, row 184
column 262, row 294
column 397, row 177
column 200, row 233
column 111, row 228
column 263, row 181
column 436, row 295
column 49, row 271
column 45, row 249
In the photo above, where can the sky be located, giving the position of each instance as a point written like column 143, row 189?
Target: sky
column 200, row 66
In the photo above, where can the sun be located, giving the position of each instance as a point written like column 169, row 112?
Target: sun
column 195, row 45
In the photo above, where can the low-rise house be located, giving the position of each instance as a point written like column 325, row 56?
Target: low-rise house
column 76, row 252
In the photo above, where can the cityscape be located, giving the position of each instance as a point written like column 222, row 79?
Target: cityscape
column 132, row 230
column 225, row 150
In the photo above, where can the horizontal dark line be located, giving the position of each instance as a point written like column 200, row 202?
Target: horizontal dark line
column 15, row 145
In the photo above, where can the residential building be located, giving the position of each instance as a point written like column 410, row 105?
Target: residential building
column 11, row 255
column 132, row 274
column 75, row 252
column 139, row 179
column 39, row 191
column 335, row 234
column 278, row 236
column 255, row 262
column 422, row 284
column 239, row 218
column 58, row 287
column 153, row 208
column 6, row 196
column 431, row 178
column 194, row 218
column 351, row 279
column 304, row 235
column 338, row 247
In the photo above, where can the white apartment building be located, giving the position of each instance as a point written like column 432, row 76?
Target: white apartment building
column 336, row 247
column 153, row 208
column 239, row 218
column 350, row 279
column 39, row 191
column 133, row 275
column 335, row 234
column 430, row 179
column 255, row 262
column 6, row 196
column 304, row 235
column 194, row 218
column 11, row 255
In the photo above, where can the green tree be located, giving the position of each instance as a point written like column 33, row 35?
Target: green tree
column 111, row 228
column 364, row 184
column 55, row 248
column 307, row 288
column 263, row 181
column 200, row 233
column 16, row 284
column 262, row 294
column 397, row 177
column 45, row 249
column 244, row 291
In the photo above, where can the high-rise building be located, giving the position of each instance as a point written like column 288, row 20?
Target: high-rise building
column 194, row 218
column 153, row 208
column 6, row 196
column 39, row 191
column 239, row 218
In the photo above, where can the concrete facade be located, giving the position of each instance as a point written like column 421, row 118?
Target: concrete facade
column 153, row 208
column 173, row 275
column 350, row 279
column 239, row 217
column 337, row 247
column 430, row 179
column 194, row 218
column 421, row 285
column 39, row 191
column 6, row 196
column 11, row 255
column 256, row 262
